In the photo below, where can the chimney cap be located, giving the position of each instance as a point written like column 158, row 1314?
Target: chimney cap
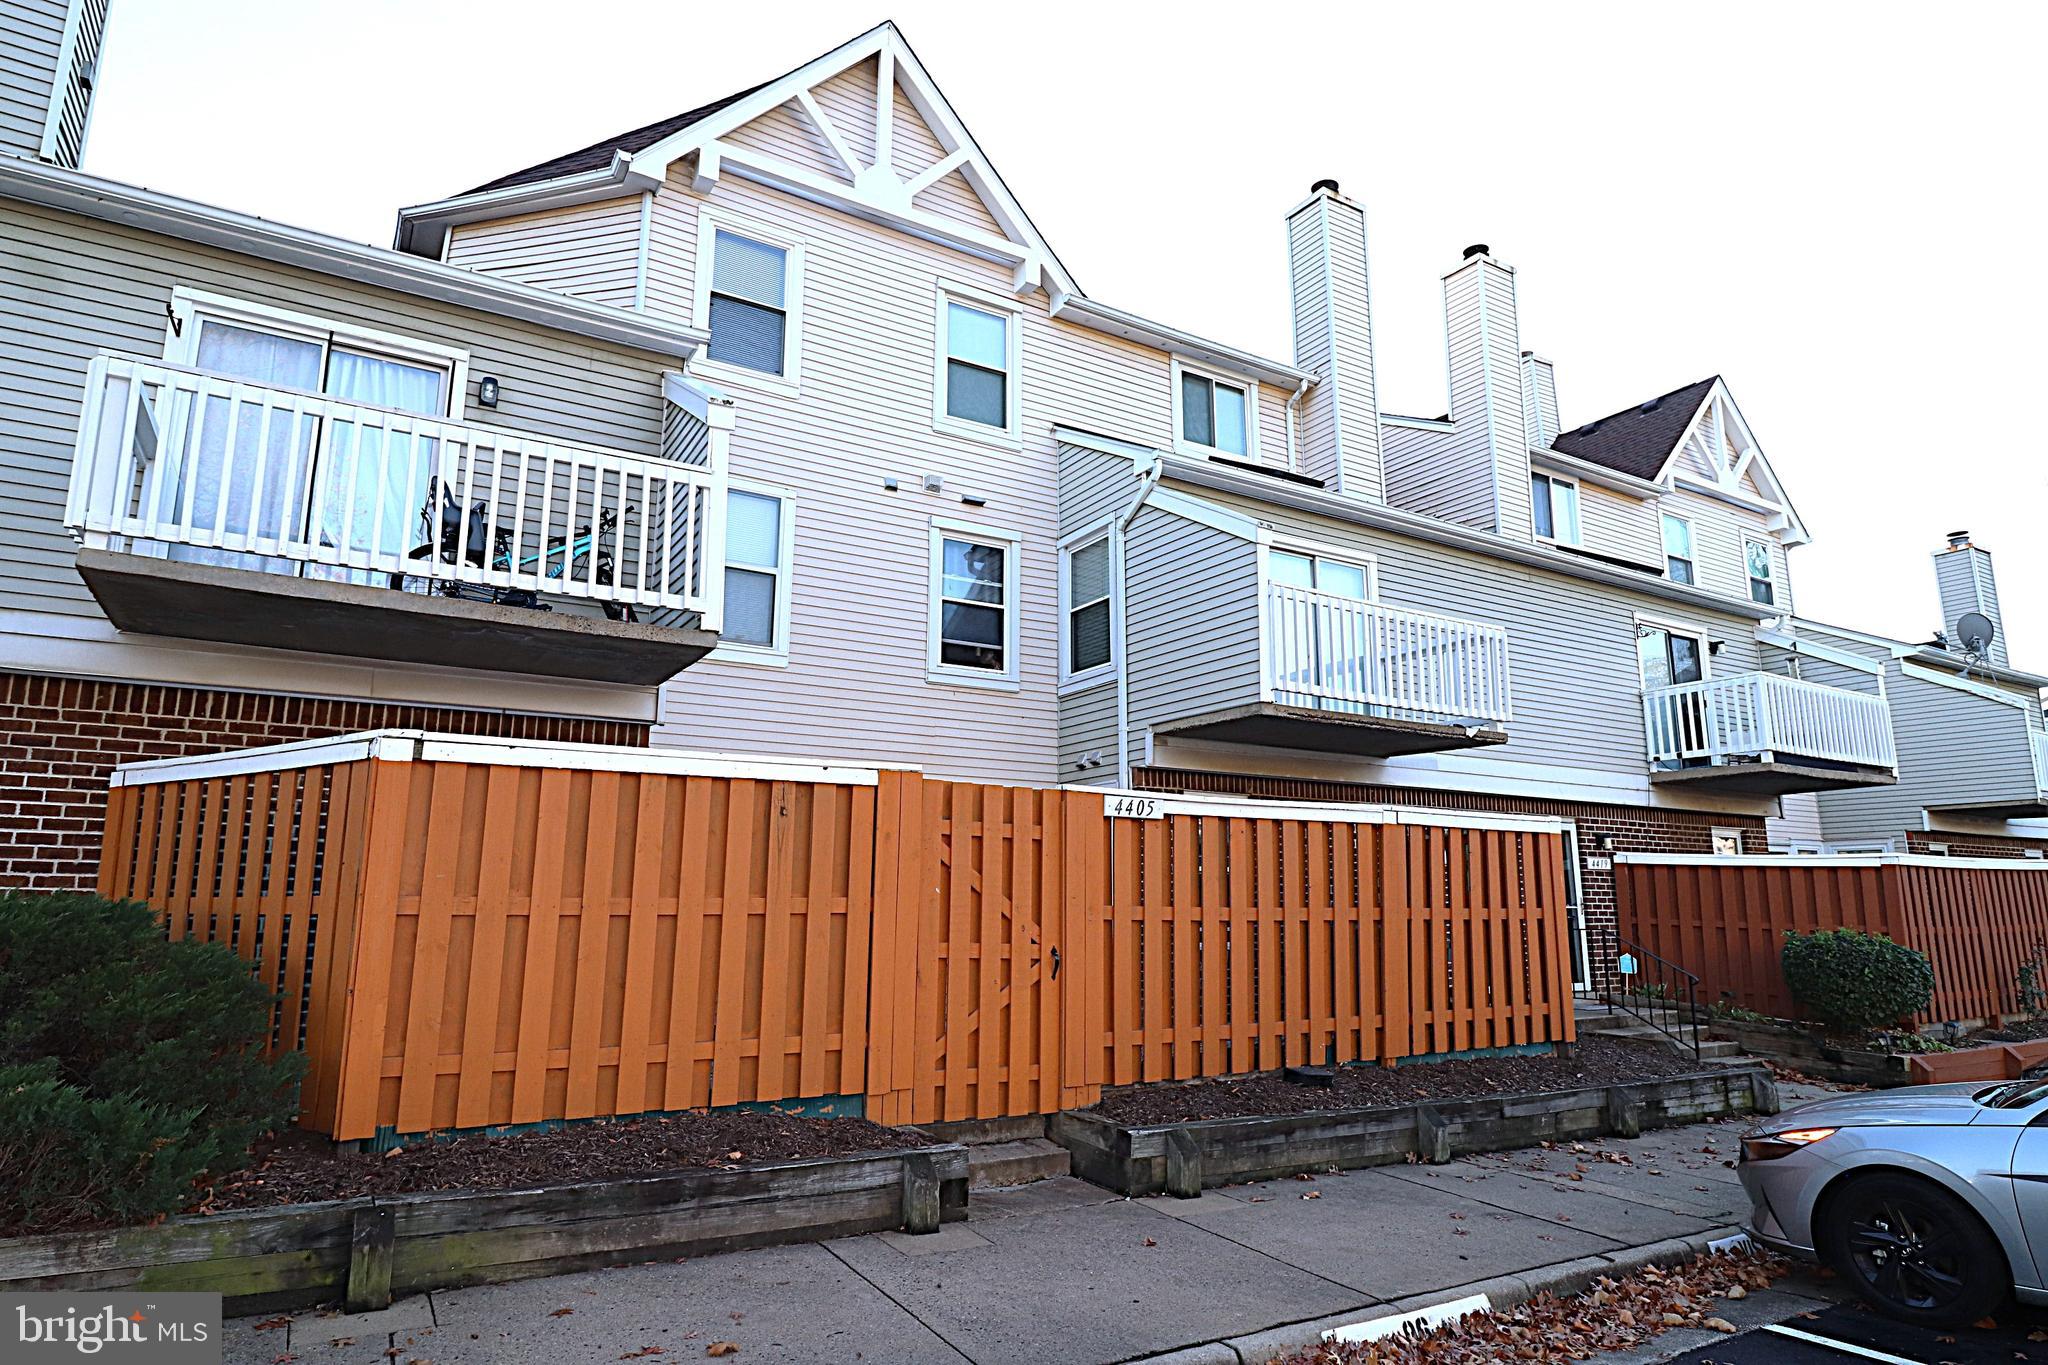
column 1958, row 539
column 1478, row 249
column 1323, row 184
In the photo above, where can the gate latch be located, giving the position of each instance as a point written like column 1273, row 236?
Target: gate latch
column 1055, row 964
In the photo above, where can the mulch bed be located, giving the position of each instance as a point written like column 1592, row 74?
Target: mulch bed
column 1599, row 1061
column 2018, row 1031
column 299, row 1167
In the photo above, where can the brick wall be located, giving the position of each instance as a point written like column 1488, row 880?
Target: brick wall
column 1634, row 829
column 1973, row 845
column 60, row 737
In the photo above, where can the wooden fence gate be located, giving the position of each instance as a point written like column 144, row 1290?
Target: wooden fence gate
column 472, row 933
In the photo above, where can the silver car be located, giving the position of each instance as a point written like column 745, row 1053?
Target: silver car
column 1930, row 1201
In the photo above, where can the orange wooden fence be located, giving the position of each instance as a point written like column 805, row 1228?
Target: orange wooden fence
column 1725, row 919
column 475, row 933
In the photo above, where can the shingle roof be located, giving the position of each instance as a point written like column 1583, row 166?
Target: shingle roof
column 598, row 155
column 1640, row 439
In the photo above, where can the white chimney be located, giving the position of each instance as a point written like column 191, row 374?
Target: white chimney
column 1962, row 573
column 1539, row 400
column 1491, row 445
column 1339, row 436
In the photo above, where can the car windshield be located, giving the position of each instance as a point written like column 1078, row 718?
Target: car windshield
column 2013, row 1094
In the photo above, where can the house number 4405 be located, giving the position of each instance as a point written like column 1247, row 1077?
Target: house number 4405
column 1135, row 807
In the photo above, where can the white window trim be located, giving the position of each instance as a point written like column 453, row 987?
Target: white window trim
column 1672, row 626
column 1578, row 538
column 947, row 528
column 1184, row 446
column 1269, row 540
column 1692, row 543
column 1070, row 681
column 1777, row 587
column 1011, row 433
column 790, row 381
column 1719, row 832
column 777, row 654
column 188, row 306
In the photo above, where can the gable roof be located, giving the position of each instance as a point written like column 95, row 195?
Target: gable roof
column 1638, row 441
column 598, row 155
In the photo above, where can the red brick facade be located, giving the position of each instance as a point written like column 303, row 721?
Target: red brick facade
column 60, row 737
column 1633, row 829
column 1973, row 845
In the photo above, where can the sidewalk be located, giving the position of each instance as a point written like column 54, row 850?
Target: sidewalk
column 1063, row 1271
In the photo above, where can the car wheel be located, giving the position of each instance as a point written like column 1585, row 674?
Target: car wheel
column 1914, row 1251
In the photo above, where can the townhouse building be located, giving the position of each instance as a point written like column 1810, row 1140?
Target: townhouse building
column 776, row 429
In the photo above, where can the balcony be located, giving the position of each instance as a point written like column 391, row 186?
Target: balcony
column 1763, row 734
column 1342, row 675
column 209, row 508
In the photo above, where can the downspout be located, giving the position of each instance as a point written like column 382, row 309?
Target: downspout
column 1293, row 409
column 1123, row 630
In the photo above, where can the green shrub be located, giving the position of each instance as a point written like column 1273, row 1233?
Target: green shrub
column 1850, row 980
column 130, row 1066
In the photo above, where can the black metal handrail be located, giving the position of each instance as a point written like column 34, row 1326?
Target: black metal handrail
column 1662, row 994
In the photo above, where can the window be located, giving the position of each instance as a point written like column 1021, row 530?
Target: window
column 1758, row 556
column 750, row 298
column 749, row 317
column 759, row 533
column 1678, row 549
column 1555, row 505
column 1087, row 591
column 1318, row 573
column 977, row 365
column 973, row 629
column 1215, row 415
column 1727, row 842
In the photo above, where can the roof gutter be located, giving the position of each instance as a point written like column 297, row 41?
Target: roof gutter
column 423, row 228
column 1101, row 317
column 187, row 220
column 1225, row 479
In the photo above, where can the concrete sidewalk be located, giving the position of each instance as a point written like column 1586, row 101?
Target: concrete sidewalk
column 1063, row 1271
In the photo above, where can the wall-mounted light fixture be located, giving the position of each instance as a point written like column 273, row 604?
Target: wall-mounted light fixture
column 487, row 392
column 1604, row 843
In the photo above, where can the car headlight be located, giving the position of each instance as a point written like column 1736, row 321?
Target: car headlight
column 1770, row 1146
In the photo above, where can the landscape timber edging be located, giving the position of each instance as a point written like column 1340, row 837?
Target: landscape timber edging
column 362, row 1251
column 1185, row 1158
column 1804, row 1048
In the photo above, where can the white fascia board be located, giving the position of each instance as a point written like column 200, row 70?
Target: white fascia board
column 187, row 220
column 1664, row 471
column 1134, row 451
column 1587, row 472
column 1831, row 860
column 707, row 403
column 1223, row 478
column 1391, row 419
column 1330, row 812
column 1204, row 514
column 1957, row 683
column 421, row 227
column 1862, row 663
column 1101, row 317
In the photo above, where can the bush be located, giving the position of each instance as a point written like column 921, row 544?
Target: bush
column 130, row 1066
column 1851, row 981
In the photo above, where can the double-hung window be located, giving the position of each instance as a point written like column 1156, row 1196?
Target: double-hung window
column 1216, row 415
column 1554, row 503
column 1678, row 565
column 758, row 538
column 1757, row 559
column 977, row 367
column 973, row 624
column 749, row 297
column 1087, row 602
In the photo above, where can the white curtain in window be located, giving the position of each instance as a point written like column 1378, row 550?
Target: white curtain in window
column 223, row 487
column 377, row 479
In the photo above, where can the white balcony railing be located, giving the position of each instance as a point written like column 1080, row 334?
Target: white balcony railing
column 177, row 463
column 1343, row 654
column 1766, row 717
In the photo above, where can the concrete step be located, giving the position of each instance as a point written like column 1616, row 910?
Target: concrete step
column 1720, row 1047
column 992, row 1164
column 975, row 1132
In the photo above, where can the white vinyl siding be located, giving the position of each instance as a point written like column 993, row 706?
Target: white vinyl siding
column 1424, row 475
column 590, row 251
column 30, row 53
column 1718, row 530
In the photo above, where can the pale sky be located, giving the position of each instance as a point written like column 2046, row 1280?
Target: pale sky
column 1838, row 207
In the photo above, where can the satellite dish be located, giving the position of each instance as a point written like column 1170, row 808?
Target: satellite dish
column 1976, row 631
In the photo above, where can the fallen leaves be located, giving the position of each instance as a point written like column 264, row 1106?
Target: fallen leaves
column 722, row 1348
column 561, row 1312
column 1613, row 1315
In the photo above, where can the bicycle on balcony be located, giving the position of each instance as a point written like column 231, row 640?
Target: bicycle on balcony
column 554, row 560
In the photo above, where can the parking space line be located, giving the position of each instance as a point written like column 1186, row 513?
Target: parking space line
column 1812, row 1340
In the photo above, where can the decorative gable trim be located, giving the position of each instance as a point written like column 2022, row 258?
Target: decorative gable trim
column 1719, row 430
column 872, row 188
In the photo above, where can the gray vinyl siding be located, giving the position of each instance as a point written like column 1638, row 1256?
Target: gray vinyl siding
column 1798, row 820
column 71, row 286
column 1718, row 530
column 1092, row 487
column 1088, row 726
column 1612, row 523
column 1426, row 473
column 591, row 250
column 1576, row 687
column 1192, row 601
column 31, row 32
